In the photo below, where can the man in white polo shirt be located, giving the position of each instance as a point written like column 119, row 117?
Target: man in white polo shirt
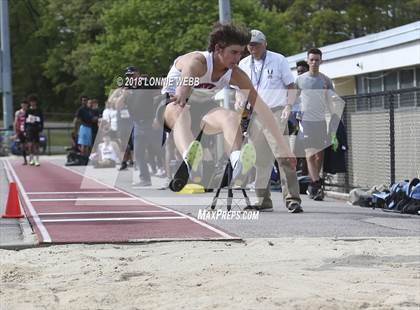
column 271, row 76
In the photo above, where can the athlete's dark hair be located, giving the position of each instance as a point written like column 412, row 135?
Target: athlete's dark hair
column 303, row 64
column 315, row 51
column 32, row 98
column 228, row 34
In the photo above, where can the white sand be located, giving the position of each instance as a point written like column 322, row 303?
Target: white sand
column 301, row 273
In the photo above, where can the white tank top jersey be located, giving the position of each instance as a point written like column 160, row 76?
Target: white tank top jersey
column 205, row 81
column 108, row 152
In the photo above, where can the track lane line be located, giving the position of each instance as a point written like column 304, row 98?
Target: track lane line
column 223, row 234
column 111, row 219
column 83, row 199
column 38, row 223
column 70, row 193
column 98, row 212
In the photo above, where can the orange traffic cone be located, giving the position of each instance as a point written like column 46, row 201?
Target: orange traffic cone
column 13, row 205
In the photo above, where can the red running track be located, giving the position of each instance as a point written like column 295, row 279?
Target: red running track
column 60, row 210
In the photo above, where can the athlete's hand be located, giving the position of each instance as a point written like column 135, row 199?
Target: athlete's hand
column 286, row 112
column 155, row 124
column 179, row 100
column 116, row 96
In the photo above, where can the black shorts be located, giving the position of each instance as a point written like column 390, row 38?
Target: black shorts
column 200, row 105
column 314, row 134
column 130, row 145
column 32, row 134
column 22, row 138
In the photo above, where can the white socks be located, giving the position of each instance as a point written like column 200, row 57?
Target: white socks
column 234, row 157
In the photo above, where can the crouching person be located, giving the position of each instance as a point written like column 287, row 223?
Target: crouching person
column 108, row 154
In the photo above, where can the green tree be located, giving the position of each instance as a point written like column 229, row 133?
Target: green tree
column 151, row 37
column 322, row 22
column 62, row 49
column 71, row 29
column 28, row 52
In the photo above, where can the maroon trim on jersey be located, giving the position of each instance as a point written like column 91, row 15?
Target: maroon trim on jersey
column 20, row 122
column 205, row 86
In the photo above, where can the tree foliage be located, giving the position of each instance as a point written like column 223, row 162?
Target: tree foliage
column 62, row 49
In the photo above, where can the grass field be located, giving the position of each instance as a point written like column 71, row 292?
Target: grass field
column 58, row 139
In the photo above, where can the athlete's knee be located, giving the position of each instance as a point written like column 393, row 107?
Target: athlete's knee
column 232, row 120
column 172, row 113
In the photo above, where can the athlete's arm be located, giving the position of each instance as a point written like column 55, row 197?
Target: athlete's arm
column 240, row 79
column 291, row 98
column 117, row 96
column 190, row 65
column 15, row 123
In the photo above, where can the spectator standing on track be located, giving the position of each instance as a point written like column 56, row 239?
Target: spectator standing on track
column 76, row 121
column 296, row 117
column 34, row 126
column 138, row 97
column 19, row 127
column 125, row 131
column 296, row 114
column 314, row 90
column 271, row 77
column 85, row 116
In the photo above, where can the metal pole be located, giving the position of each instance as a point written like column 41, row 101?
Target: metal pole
column 392, row 136
column 224, row 11
column 6, row 67
column 224, row 18
column 49, row 141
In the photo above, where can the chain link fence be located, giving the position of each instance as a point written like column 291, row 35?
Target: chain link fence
column 53, row 140
column 383, row 131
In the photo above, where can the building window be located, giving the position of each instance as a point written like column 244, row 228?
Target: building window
column 407, row 81
column 361, row 84
column 407, row 78
column 388, row 81
column 391, row 81
column 375, row 85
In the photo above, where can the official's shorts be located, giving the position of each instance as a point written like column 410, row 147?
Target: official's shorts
column 314, row 134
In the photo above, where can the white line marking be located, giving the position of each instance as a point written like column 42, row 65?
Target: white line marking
column 70, row 193
column 44, row 233
column 181, row 239
column 83, row 199
column 100, row 212
column 225, row 235
column 100, row 219
column 8, row 175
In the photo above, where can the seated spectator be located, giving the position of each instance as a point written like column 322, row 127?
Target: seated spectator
column 107, row 155
column 109, row 122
